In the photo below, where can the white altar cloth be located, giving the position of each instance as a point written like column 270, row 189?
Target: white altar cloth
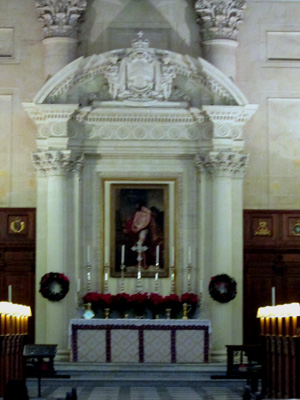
column 140, row 340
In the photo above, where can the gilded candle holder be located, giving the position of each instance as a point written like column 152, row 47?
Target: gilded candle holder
column 106, row 313
column 185, row 310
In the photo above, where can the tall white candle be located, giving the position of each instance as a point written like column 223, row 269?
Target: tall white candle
column 10, row 293
column 273, row 296
column 173, row 257
column 201, row 285
column 190, row 255
column 123, row 254
column 106, row 257
column 88, row 254
column 157, row 254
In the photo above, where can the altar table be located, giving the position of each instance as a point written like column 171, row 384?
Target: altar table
column 140, row 340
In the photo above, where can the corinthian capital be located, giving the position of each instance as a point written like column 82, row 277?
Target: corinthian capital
column 219, row 19
column 223, row 163
column 60, row 17
column 56, row 162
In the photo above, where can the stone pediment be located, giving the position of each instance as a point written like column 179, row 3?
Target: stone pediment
column 140, row 76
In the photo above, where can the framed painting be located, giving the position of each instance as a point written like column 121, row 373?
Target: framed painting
column 139, row 213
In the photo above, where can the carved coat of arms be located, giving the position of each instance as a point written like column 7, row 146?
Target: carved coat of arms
column 141, row 75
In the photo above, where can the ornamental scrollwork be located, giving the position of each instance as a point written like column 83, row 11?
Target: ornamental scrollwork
column 222, row 164
column 60, row 17
column 57, row 162
column 219, row 19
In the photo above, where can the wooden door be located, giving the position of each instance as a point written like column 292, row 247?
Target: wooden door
column 17, row 258
column 271, row 259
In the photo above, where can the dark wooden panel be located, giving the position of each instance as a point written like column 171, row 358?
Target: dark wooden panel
column 17, row 258
column 270, row 259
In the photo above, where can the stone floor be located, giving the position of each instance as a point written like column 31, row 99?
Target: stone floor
column 139, row 382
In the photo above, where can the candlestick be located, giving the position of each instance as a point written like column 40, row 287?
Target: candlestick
column 157, row 254
column 10, row 293
column 106, row 256
column 189, row 255
column 173, row 256
column 78, row 284
column 123, row 254
column 201, row 285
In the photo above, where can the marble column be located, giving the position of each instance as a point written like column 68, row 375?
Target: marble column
column 60, row 26
column 223, row 213
column 54, row 169
column 219, row 20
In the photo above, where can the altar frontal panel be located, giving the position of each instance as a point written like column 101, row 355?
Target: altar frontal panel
column 90, row 345
column 124, row 345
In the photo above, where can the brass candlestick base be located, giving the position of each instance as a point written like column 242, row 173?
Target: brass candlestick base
column 186, row 308
column 106, row 313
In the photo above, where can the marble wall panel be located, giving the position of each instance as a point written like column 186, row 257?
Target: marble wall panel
column 6, row 42
column 284, row 149
column 283, row 46
column 5, row 151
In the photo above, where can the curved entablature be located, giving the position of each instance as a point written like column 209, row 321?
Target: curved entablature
column 140, row 76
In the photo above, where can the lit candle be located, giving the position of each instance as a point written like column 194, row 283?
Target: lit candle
column 88, row 254
column 190, row 255
column 10, row 293
column 273, row 296
column 78, row 284
column 157, row 254
column 123, row 254
column 173, row 257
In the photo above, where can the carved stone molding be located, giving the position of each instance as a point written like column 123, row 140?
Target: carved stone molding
column 141, row 75
column 219, row 19
column 222, row 164
column 60, row 17
column 57, row 162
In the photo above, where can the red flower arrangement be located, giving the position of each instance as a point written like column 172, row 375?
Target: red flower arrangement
column 139, row 302
column 121, row 301
column 91, row 297
column 190, row 298
column 156, row 303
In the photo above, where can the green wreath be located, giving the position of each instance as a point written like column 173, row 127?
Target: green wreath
column 54, row 286
column 222, row 288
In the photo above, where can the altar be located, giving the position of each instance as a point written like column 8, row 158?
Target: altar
column 140, row 340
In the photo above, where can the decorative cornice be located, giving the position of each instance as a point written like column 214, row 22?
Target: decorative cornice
column 222, row 164
column 60, row 17
column 57, row 162
column 219, row 19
